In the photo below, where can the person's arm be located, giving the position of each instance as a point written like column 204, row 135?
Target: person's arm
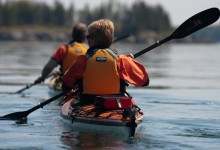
column 51, row 64
column 132, row 71
column 57, row 58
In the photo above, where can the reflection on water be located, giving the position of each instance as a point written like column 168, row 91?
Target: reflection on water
column 87, row 140
column 181, row 105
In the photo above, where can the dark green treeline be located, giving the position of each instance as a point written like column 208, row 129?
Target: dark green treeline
column 137, row 19
column 23, row 12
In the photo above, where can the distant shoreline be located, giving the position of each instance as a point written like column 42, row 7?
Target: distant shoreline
column 63, row 34
column 35, row 33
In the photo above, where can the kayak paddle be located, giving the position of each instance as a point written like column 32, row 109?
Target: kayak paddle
column 25, row 88
column 193, row 24
column 30, row 85
column 120, row 38
column 23, row 114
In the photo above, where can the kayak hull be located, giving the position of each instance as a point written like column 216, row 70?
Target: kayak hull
column 106, row 120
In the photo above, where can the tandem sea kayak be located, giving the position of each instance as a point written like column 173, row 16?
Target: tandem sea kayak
column 90, row 117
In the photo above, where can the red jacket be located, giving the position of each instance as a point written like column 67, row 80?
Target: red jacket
column 129, row 70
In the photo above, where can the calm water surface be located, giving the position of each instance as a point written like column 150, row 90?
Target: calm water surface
column 181, row 105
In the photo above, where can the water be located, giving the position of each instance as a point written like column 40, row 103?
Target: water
column 181, row 105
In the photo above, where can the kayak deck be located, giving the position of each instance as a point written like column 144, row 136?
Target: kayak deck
column 89, row 115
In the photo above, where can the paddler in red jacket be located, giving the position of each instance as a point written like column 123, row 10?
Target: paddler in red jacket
column 100, row 71
column 67, row 53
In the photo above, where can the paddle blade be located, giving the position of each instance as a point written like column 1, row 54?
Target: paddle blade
column 15, row 116
column 23, row 114
column 196, row 22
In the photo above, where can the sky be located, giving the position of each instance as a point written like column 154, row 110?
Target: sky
column 178, row 10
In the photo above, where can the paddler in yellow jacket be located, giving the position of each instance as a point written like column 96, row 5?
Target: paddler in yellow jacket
column 100, row 71
column 67, row 53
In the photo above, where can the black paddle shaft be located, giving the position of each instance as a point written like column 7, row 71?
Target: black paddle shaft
column 120, row 38
column 24, row 114
column 30, row 85
column 25, row 88
column 193, row 24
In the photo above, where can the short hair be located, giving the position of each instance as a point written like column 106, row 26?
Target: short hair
column 79, row 32
column 102, row 31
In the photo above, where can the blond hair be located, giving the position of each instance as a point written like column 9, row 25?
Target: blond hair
column 102, row 31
